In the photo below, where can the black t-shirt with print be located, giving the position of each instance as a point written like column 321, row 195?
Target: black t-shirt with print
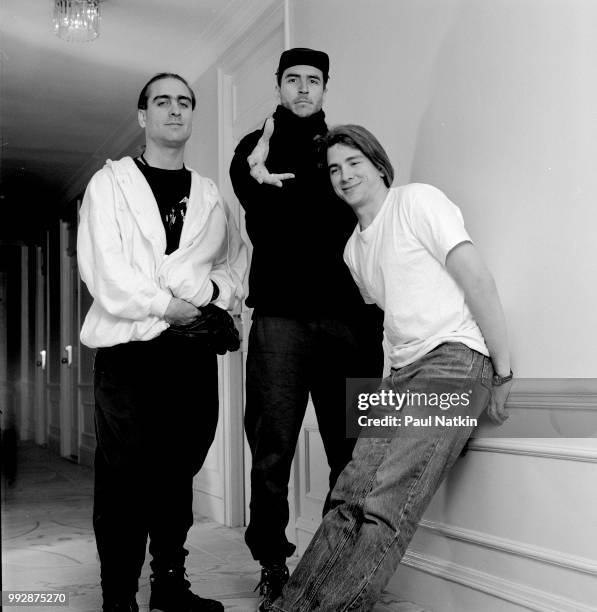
column 171, row 189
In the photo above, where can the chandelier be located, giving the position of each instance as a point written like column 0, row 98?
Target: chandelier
column 76, row 20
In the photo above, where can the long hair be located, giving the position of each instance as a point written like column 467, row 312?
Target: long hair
column 142, row 102
column 358, row 137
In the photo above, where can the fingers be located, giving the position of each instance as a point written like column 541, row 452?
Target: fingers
column 495, row 416
column 261, row 175
column 276, row 179
column 284, row 176
column 497, row 411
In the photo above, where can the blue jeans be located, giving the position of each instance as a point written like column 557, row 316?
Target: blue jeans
column 382, row 493
column 287, row 360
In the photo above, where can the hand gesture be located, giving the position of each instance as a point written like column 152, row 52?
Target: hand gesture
column 497, row 411
column 258, row 156
column 180, row 312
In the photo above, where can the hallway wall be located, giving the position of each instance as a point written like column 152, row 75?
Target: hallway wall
column 493, row 101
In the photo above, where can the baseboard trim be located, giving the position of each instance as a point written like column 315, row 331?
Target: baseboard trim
column 501, row 588
column 511, row 547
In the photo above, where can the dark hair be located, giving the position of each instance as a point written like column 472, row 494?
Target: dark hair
column 142, row 102
column 357, row 137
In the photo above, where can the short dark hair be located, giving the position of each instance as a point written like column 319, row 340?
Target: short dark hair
column 358, row 137
column 142, row 102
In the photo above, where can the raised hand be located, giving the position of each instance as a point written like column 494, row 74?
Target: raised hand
column 259, row 155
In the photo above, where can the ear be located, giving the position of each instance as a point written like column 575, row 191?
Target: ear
column 141, row 117
column 277, row 90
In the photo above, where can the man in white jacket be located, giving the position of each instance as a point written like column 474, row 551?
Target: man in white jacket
column 156, row 246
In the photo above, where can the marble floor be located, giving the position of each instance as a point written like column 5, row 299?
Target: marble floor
column 48, row 543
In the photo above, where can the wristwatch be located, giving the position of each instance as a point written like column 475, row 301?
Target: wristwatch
column 498, row 380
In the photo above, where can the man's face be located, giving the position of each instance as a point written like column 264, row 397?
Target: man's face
column 168, row 118
column 354, row 177
column 302, row 90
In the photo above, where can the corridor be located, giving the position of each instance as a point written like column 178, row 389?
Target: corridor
column 48, row 543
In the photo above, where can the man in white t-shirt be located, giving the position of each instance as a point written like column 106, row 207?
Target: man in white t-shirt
column 446, row 340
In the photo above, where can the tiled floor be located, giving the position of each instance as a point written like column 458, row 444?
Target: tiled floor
column 47, row 543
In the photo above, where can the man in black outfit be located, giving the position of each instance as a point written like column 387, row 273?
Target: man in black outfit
column 311, row 329
column 159, row 254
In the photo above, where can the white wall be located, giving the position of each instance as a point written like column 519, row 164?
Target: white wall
column 495, row 102
column 202, row 148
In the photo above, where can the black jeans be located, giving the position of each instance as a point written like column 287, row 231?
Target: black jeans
column 156, row 411
column 287, row 360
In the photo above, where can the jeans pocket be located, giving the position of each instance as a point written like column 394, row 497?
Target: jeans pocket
column 487, row 374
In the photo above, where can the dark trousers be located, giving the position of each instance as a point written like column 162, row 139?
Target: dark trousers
column 287, row 360
column 156, row 411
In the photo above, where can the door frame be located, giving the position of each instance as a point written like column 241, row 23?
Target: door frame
column 236, row 456
column 68, row 445
column 41, row 349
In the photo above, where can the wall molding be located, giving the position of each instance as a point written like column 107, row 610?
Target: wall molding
column 246, row 24
column 489, row 541
column 531, row 448
column 545, row 413
column 494, row 586
column 507, row 590
column 554, row 393
column 307, row 525
column 308, row 490
column 512, row 547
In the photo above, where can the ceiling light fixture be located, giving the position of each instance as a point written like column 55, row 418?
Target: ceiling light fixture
column 76, row 20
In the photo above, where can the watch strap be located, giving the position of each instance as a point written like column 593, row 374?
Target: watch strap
column 498, row 380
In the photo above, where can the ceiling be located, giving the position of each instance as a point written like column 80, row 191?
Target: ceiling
column 66, row 107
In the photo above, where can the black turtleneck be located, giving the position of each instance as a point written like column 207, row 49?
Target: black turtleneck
column 298, row 231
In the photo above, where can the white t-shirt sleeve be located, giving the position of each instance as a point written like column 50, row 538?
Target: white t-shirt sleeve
column 349, row 261
column 366, row 297
column 435, row 221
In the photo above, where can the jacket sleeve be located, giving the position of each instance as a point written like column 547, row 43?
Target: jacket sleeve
column 248, row 191
column 114, row 283
column 229, row 271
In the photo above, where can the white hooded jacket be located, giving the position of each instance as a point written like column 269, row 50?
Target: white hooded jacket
column 121, row 246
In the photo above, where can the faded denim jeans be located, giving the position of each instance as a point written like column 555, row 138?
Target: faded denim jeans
column 382, row 493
